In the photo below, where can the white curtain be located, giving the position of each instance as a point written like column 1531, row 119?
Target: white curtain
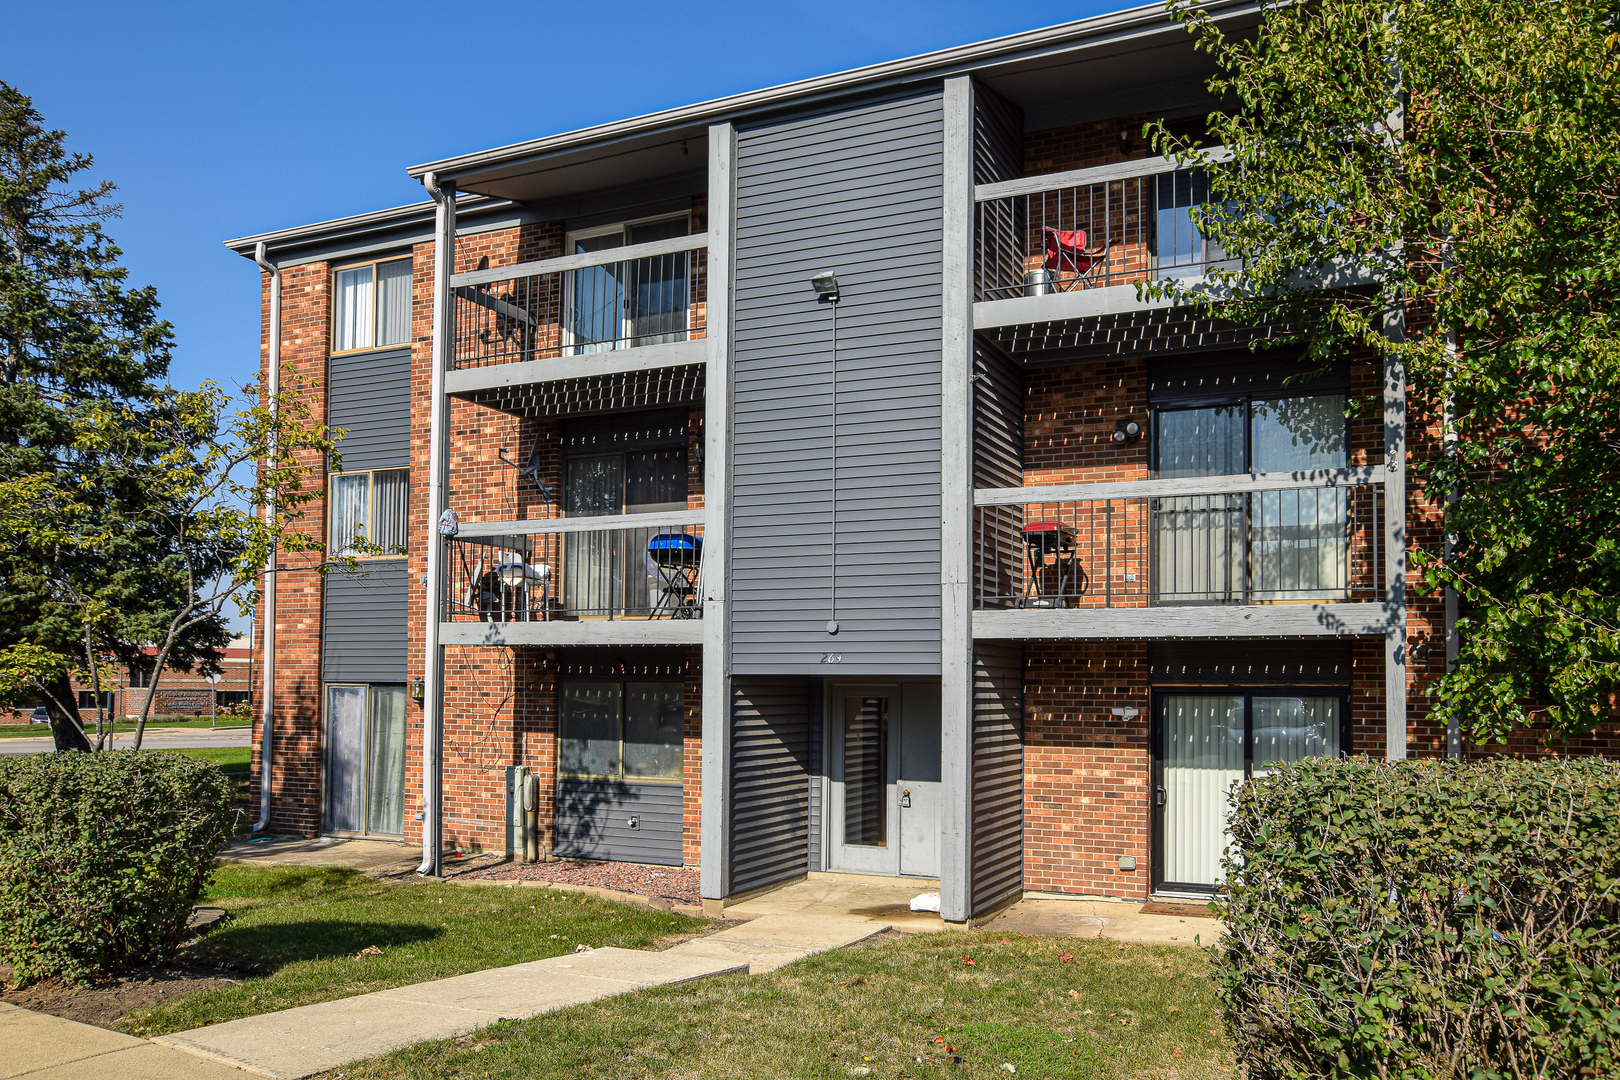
column 592, row 582
column 1203, row 758
column 1295, row 728
column 1301, row 538
column 352, row 321
column 385, row 804
column 345, row 758
column 350, row 496
column 394, row 302
column 390, row 494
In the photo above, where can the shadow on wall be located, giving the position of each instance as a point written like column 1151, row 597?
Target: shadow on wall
column 584, row 810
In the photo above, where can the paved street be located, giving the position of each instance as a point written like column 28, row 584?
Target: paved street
column 156, row 739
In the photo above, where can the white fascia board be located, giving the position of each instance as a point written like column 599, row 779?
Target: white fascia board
column 559, row 633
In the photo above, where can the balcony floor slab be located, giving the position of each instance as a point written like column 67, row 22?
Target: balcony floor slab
column 583, row 632
column 1150, row 623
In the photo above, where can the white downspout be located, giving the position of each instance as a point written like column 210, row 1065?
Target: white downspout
column 444, row 239
column 267, row 607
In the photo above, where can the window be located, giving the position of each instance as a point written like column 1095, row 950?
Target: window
column 624, row 304
column 369, row 506
column 87, row 700
column 608, row 573
column 371, row 305
column 1269, row 546
column 140, row 674
column 621, row 730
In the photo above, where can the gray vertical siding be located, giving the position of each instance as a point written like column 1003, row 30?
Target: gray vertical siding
column 363, row 631
column 370, row 395
column 857, row 191
column 998, row 775
column 770, row 774
column 998, row 154
column 593, row 821
column 998, row 462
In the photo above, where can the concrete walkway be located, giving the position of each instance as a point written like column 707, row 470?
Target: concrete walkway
column 314, row 1038
column 39, row 1046
column 379, row 858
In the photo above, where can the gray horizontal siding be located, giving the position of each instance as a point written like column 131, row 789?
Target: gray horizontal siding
column 770, row 779
column 857, row 191
column 593, row 821
column 369, row 394
column 363, row 624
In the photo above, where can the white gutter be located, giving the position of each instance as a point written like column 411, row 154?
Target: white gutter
column 444, row 240
column 267, row 607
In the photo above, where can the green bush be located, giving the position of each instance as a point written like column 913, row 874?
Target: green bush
column 1424, row 919
column 102, row 857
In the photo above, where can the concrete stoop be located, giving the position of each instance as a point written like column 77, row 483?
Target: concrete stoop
column 310, row 1039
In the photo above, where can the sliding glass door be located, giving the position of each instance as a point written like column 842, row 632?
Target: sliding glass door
column 1205, row 742
column 365, row 759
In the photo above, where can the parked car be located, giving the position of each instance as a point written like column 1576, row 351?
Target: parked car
column 40, row 715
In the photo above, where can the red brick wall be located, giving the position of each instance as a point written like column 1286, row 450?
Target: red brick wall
column 1085, row 770
column 1080, row 146
column 296, row 756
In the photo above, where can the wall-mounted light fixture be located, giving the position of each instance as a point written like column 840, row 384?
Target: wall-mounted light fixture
column 826, row 285
column 1126, row 430
column 418, row 690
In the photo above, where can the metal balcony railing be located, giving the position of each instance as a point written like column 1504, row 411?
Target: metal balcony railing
column 584, row 570
column 619, row 298
column 1089, row 229
column 1211, row 540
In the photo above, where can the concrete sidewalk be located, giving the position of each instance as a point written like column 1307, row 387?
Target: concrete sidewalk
column 39, row 1046
column 314, row 1038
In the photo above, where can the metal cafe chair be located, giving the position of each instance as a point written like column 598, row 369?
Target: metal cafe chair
column 1053, row 576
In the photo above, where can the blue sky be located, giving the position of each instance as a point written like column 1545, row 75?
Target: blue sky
column 220, row 119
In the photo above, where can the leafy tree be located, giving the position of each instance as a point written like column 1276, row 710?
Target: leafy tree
column 73, row 337
column 1460, row 163
column 125, row 519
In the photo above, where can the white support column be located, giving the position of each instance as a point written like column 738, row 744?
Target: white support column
column 956, row 509
column 444, row 261
column 1395, row 540
column 715, row 856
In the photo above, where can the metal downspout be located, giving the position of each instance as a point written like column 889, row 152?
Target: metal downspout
column 267, row 606
column 444, row 232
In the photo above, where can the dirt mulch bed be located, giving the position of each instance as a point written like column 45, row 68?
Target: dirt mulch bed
column 677, row 884
column 104, row 1003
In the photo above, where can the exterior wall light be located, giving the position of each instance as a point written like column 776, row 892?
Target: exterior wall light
column 826, row 285
column 1126, row 431
column 418, row 691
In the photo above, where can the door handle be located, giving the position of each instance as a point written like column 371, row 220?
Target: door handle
column 1160, row 796
column 905, row 798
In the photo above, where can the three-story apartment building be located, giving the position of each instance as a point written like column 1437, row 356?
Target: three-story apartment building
column 798, row 482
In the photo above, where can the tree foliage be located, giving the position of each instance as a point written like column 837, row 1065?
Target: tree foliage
column 1455, row 164
column 127, row 520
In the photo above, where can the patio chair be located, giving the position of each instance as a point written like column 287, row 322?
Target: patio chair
column 1066, row 254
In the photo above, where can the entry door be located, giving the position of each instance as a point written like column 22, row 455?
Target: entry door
column 884, row 744
column 1208, row 742
column 365, row 759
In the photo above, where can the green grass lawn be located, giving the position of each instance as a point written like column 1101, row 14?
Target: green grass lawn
column 232, row 759
column 43, row 731
column 310, row 929
column 907, row 1007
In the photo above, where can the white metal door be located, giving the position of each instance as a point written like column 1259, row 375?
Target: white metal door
column 864, row 827
column 919, row 791
column 1203, row 738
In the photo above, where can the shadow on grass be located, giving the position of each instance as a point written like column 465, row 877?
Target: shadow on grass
column 271, row 946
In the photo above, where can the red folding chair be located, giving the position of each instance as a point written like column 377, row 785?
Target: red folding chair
column 1066, row 253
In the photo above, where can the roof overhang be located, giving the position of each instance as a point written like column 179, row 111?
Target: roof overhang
column 1115, row 62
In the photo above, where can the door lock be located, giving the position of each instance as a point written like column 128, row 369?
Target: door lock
column 905, row 799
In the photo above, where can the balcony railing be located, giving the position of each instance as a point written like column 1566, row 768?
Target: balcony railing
column 1262, row 539
column 618, row 298
column 581, row 568
column 1089, row 229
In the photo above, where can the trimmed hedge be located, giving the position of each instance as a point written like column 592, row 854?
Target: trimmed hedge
column 1424, row 919
column 102, row 857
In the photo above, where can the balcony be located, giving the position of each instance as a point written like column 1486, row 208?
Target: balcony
column 623, row 579
column 1075, row 244
column 1254, row 555
column 609, row 312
